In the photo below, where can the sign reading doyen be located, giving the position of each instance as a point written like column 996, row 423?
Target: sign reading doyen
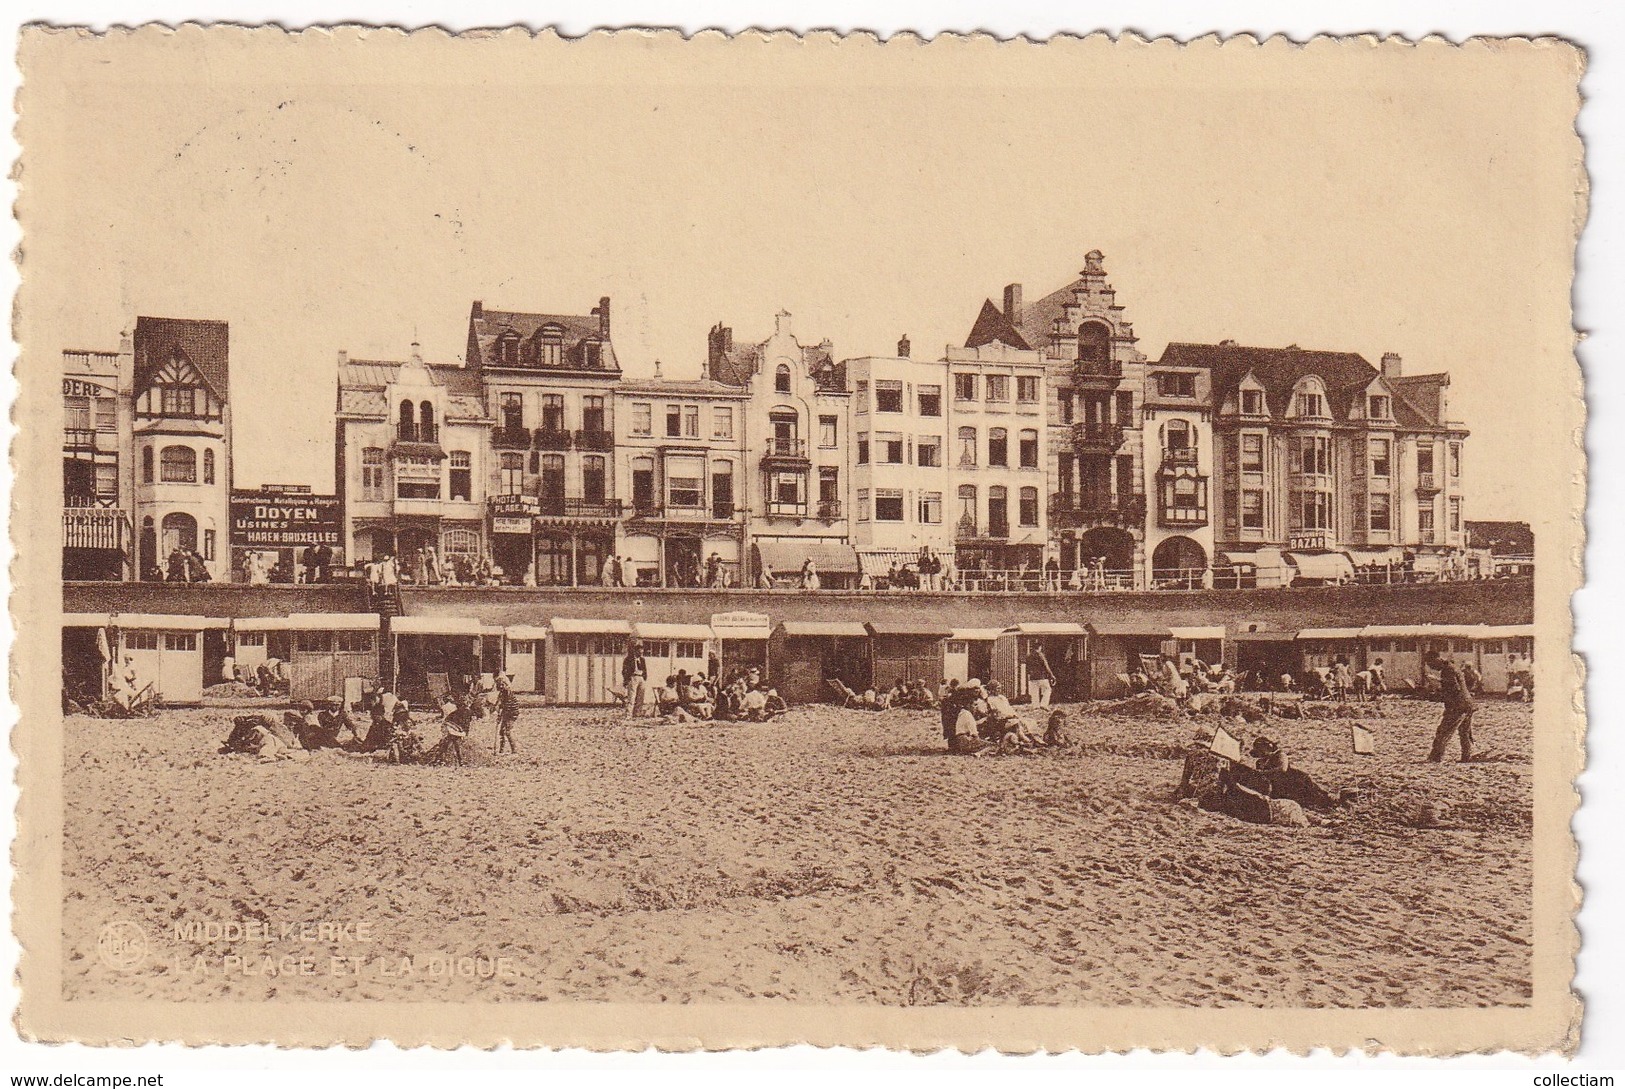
column 284, row 519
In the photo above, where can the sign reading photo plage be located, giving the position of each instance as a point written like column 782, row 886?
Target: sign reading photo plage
column 284, row 519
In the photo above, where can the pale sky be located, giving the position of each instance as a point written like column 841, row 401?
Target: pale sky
column 331, row 195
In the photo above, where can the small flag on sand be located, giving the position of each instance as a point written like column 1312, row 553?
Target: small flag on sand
column 1225, row 745
column 1365, row 742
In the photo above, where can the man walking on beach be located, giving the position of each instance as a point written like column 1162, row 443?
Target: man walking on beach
column 1040, row 677
column 634, row 678
column 1458, row 709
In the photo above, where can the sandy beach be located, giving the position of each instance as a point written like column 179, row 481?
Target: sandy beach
column 827, row 857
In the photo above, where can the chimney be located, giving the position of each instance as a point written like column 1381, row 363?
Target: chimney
column 126, row 346
column 417, row 351
column 1012, row 304
column 1392, row 365
column 478, row 310
column 658, row 376
column 344, row 357
column 781, row 323
column 903, row 347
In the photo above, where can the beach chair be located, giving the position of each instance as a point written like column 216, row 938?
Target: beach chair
column 838, row 686
column 439, row 684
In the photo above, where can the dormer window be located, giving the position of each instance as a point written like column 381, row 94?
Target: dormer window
column 1172, row 384
column 508, row 349
column 179, row 400
column 1252, row 402
column 550, row 346
column 1312, row 405
column 781, row 379
column 592, row 355
column 1379, row 407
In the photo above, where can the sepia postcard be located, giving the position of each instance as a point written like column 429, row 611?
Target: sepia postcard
column 715, row 542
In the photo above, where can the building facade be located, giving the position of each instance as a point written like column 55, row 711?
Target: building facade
column 1322, row 452
column 999, row 456
column 798, row 417
column 413, row 459
column 98, row 469
column 682, row 452
column 181, row 444
column 548, row 382
column 1096, row 464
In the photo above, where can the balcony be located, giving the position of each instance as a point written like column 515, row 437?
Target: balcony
column 1170, row 517
column 785, row 454
column 786, row 509
column 552, row 439
column 1083, row 512
column 558, row 506
column 1097, row 437
column 717, row 512
column 1105, row 372
column 829, row 510
column 79, row 438
column 1179, row 458
column 595, row 439
column 511, row 438
column 414, row 433
column 1427, row 483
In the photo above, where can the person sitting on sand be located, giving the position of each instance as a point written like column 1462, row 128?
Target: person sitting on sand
column 754, row 705
column 947, row 689
column 731, row 701
column 1010, row 729
column 245, row 735
column 964, row 736
column 455, row 715
column 697, row 699
column 1056, row 734
column 1173, row 682
column 667, row 699
column 775, row 703
column 1285, row 781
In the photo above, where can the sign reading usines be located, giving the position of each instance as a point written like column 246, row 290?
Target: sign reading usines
column 284, row 519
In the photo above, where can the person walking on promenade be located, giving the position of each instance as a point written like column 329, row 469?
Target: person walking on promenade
column 1052, row 574
column 507, row 713
column 634, row 678
column 1040, row 677
column 809, row 575
column 1458, row 709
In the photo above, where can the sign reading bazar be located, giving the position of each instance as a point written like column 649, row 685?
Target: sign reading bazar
column 283, row 519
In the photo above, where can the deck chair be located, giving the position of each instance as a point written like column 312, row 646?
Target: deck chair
column 439, row 684
column 838, row 686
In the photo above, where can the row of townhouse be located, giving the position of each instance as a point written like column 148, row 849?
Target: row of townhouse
column 1047, row 440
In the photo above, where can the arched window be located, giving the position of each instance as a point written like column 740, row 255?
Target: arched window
column 178, row 465
column 407, row 431
column 1094, row 344
column 967, row 508
column 426, row 422
column 208, row 466
column 786, row 441
column 1177, row 435
column 781, row 379
column 146, row 465
column 967, row 447
column 179, row 531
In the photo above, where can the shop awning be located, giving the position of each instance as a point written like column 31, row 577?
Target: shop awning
column 836, row 628
column 786, row 557
column 1378, row 558
column 1211, row 631
column 741, row 625
column 526, row 632
column 673, row 631
column 1325, row 566
column 976, row 635
column 260, row 623
column 923, row 629
column 334, row 621
column 570, row 625
column 878, row 562
column 1129, row 629
column 1049, row 627
column 1331, row 633
column 1235, row 559
column 436, row 625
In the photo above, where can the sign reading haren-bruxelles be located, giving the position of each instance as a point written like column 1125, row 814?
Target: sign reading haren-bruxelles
column 281, row 519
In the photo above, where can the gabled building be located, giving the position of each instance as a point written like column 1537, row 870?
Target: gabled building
column 181, row 441
column 413, row 459
column 799, row 463
column 1094, row 461
column 1322, row 452
column 548, row 381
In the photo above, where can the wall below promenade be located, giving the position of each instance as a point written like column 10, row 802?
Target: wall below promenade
column 1502, row 601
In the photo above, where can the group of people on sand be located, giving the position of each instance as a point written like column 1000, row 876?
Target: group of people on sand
column 1180, row 680
column 912, row 694
column 384, row 723
column 978, row 718
column 742, row 694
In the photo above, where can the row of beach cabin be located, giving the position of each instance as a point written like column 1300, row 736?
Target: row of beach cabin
column 577, row 661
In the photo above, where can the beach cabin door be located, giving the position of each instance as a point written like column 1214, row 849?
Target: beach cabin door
column 144, row 646
column 180, row 667
column 522, row 661
column 590, row 668
column 956, row 661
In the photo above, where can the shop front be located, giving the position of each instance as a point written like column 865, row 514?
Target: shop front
column 741, row 641
column 512, row 533
column 95, row 544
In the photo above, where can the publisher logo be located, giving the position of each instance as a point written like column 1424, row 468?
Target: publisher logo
column 122, row 945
